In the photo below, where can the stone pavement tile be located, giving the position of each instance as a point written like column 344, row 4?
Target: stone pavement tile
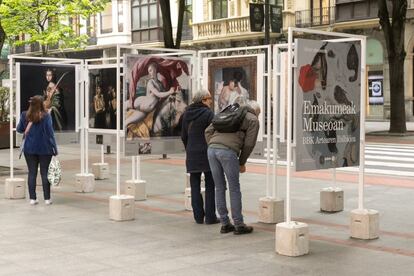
column 131, row 261
column 179, row 248
column 105, row 253
column 194, row 271
column 329, row 259
column 209, row 257
column 65, row 265
column 34, row 254
column 13, row 269
column 136, row 241
column 236, row 266
column 112, row 272
column 85, row 246
column 157, row 266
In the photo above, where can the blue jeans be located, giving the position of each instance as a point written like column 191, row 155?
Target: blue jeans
column 225, row 162
column 33, row 161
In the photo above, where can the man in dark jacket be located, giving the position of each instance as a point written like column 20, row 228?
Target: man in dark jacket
column 195, row 119
column 227, row 155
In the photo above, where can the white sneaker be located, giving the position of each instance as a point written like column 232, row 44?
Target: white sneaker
column 34, row 201
column 48, row 201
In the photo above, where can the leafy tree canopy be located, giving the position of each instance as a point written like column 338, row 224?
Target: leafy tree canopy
column 46, row 21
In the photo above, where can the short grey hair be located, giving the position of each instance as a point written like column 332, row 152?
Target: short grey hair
column 241, row 100
column 255, row 105
column 199, row 96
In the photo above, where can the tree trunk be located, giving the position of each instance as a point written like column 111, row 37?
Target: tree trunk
column 2, row 37
column 394, row 32
column 267, row 22
column 181, row 9
column 167, row 26
column 397, row 121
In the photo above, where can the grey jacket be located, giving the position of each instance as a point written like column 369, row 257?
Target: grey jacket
column 242, row 142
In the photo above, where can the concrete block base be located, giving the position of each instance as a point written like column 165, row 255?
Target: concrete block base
column 136, row 188
column 100, row 170
column 292, row 239
column 187, row 180
column 187, row 194
column 85, row 183
column 332, row 199
column 15, row 188
column 187, row 202
column 364, row 224
column 271, row 210
column 121, row 207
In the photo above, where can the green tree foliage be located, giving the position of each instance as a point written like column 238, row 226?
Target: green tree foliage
column 46, row 21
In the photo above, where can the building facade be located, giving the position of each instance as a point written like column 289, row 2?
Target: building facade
column 226, row 23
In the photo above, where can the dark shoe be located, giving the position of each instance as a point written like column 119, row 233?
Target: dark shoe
column 199, row 221
column 214, row 221
column 227, row 228
column 240, row 230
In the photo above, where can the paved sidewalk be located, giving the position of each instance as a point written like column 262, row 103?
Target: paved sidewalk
column 75, row 237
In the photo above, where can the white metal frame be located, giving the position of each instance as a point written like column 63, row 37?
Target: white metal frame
column 137, row 50
column 290, row 147
column 89, row 67
column 259, row 76
column 14, row 80
column 279, row 108
column 246, row 51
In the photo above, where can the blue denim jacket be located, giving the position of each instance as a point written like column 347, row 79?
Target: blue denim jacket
column 40, row 139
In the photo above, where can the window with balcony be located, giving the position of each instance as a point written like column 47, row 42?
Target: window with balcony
column 145, row 14
column 74, row 22
column 220, row 9
column 91, row 29
column 91, row 26
column 106, row 19
column 187, row 20
column 121, row 19
column 146, row 21
column 348, row 10
column 321, row 12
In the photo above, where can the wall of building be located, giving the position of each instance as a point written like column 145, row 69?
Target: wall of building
column 116, row 36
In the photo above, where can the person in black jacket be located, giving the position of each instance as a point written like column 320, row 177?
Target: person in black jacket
column 195, row 120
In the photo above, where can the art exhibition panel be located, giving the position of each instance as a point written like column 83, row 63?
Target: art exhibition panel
column 56, row 83
column 102, row 99
column 328, row 87
column 230, row 77
column 157, row 90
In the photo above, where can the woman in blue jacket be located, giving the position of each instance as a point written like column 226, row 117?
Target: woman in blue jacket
column 39, row 145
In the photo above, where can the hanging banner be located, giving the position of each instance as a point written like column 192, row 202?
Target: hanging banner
column 328, row 87
column 276, row 19
column 256, row 17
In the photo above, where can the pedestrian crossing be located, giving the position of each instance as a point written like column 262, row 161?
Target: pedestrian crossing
column 382, row 159
column 389, row 159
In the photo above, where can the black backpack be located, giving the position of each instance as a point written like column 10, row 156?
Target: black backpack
column 230, row 118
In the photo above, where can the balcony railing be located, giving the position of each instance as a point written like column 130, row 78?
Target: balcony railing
column 315, row 17
column 221, row 27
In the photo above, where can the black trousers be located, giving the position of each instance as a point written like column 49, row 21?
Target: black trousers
column 197, row 200
column 33, row 161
